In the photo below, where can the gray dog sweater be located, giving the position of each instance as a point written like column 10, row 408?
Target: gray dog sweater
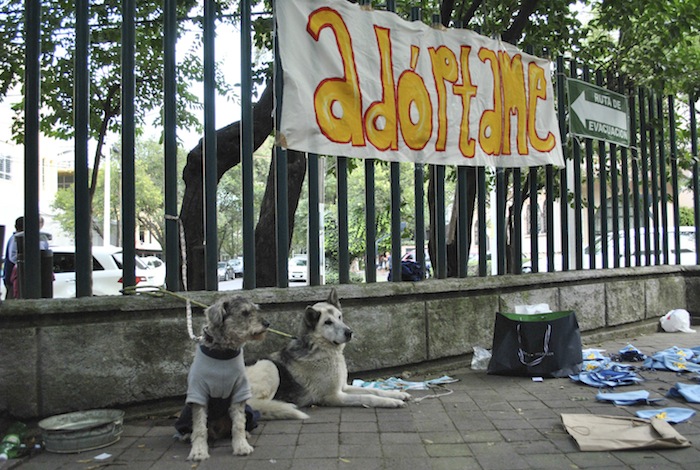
column 213, row 376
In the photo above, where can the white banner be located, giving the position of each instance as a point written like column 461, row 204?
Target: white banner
column 368, row 84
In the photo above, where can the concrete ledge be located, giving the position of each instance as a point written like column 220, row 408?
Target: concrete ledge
column 67, row 355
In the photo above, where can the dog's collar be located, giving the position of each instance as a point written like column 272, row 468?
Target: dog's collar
column 222, row 354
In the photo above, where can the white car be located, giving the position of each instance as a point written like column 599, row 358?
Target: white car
column 297, row 268
column 156, row 267
column 106, row 271
column 687, row 252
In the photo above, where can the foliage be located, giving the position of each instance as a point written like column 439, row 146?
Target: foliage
column 668, row 58
column 58, row 59
column 687, row 216
column 149, row 178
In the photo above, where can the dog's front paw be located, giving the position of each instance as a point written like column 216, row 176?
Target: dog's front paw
column 198, row 453
column 242, row 448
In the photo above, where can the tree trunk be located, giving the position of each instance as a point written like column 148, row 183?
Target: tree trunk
column 228, row 155
column 265, row 232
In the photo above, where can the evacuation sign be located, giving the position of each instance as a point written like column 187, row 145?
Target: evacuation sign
column 598, row 113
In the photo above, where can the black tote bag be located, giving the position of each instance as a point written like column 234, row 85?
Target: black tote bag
column 540, row 344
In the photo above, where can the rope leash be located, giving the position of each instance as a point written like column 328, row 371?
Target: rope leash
column 160, row 292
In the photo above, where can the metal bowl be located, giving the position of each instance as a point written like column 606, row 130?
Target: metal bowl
column 81, row 431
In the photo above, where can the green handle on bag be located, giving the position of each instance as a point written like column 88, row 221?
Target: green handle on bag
column 537, row 317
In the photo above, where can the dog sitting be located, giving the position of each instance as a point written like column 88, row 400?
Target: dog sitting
column 218, row 374
column 312, row 370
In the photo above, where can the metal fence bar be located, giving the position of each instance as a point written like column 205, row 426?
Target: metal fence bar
column 635, row 178
column 674, row 177
column 625, row 182
column 128, row 91
column 549, row 205
column 578, row 188
column 419, row 197
column 663, row 199
column 500, row 221
column 463, row 237
column 646, row 202
column 590, row 191
column 481, row 208
column 603, row 185
column 81, row 122
column 517, row 246
column 209, row 154
column 534, row 221
column 282, row 190
column 653, row 163
column 315, row 178
column 247, row 147
column 696, row 172
column 615, row 199
column 563, row 173
column 30, row 269
column 172, row 237
column 343, row 235
column 370, row 223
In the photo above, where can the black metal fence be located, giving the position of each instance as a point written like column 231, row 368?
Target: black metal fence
column 624, row 200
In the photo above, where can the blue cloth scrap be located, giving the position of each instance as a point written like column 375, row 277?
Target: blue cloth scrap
column 394, row 383
column 638, row 397
column 670, row 415
column 610, row 375
column 690, row 392
column 593, row 355
column 631, row 354
column 674, row 359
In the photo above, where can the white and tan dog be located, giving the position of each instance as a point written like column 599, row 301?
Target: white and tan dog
column 311, row 370
column 218, row 372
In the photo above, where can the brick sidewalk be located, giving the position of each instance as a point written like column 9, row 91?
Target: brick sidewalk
column 485, row 422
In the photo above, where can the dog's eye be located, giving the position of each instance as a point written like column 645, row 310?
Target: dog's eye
column 329, row 322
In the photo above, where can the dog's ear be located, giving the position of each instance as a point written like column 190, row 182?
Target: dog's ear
column 311, row 317
column 333, row 298
column 215, row 313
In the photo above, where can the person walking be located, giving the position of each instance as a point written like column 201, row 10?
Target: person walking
column 11, row 259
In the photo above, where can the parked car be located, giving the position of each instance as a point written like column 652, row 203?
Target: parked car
column 297, row 268
column 236, row 265
column 686, row 248
column 107, row 268
column 224, row 272
column 156, row 267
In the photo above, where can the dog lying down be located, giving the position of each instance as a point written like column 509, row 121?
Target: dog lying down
column 217, row 378
column 311, row 370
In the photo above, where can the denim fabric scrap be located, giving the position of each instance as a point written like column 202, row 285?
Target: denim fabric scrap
column 670, row 415
column 638, row 397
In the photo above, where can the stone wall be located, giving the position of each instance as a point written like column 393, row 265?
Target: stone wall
column 67, row 355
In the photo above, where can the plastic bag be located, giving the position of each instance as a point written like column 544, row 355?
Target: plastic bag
column 532, row 309
column 676, row 320
column 480, row 358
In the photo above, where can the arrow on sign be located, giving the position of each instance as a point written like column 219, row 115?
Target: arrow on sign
column 588, row 110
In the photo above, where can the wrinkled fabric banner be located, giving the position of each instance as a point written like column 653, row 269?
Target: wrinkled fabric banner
column 368, row 84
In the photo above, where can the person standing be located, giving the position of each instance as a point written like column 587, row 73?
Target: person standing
column 11, row 259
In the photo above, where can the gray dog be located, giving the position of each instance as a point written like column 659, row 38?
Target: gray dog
column 218, row 372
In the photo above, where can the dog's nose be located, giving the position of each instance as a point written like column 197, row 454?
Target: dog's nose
column 348, row 333
column 266, row 323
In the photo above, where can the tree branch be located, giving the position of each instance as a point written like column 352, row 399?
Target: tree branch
column 513, row 33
